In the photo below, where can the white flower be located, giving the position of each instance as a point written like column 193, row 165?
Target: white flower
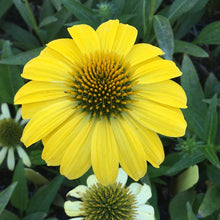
column 10, row 134
column 115, row 201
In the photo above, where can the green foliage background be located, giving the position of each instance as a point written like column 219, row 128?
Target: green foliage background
column 187, row 185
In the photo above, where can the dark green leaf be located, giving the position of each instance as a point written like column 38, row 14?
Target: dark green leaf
column 7, row 215
column 35, row 216
column 189, row 48
column 190, row 213
column 23, row 12
column 46, row 10
column 10, row 77
column 5, row 195
column 211, row 202
column 211, row 121
column 177, row 205
column 180, row 7
column 210, row 84
column 213, row 174
column 211, row 155
column 43, row 198
column 4, row 6
column 57, row 4
column 48, row 20
column 80, row 11
column 164, row 35
column 19, row 197
column 21, row 35
column 21, row 58
column 209, row 34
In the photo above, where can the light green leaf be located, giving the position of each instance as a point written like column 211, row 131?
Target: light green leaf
column 180, row 7
column 209, row 34
column 211, row 202
column 80, row 11
column 211, row 121
column 5, row 195
column 47, row 20
column 190, row 213
column 4, row 6
column 187, row 179
column 177, row 205
column 35, row 177
column 164, row 35
column 189, row 48
column 43, row 198
column 21, row 58
column 19, row 197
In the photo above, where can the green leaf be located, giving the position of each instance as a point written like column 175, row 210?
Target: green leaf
column 190, row 213
column 7, row 215
column 211, row 121
column 10, row 77
column 21, row 58
column 23, row 12
column 211, row 155
column 35, row 177
column 213, row 174
column 187, row 179
column 191, row 85
column 177, row 205
column 4, row 6
column 164, row 35
column 189, row 48
column 211, row 202
column 210, row 84
column 180, row 7
column 43, row 198
column 36, row 216
column 57, row 4
column 47, row 20
column 19, row 197
column 80, row 11
column 21, row 35
column 209, row 34
column 5, row 195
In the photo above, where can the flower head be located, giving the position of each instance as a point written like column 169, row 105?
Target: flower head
column 97, row 99
column 116, row 201
column 10, row 134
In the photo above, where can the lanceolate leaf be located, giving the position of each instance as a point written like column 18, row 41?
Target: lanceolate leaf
column 19, row 198
column 164, row 35
column 5, row 195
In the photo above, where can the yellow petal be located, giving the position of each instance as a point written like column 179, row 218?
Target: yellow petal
column 57, row 142
column 47, row 69
column 46, row 120
column 124, row 39
column 142, row 52
column 150, row 140
column 77, row 158
column 105, row 159
column 36, row 91
column 30, row 109
column 156, row 71
column 131, row 154
column 165, row 92
column 67, row 48
column 85, row 38
column 162, row 119
column 106, row 33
